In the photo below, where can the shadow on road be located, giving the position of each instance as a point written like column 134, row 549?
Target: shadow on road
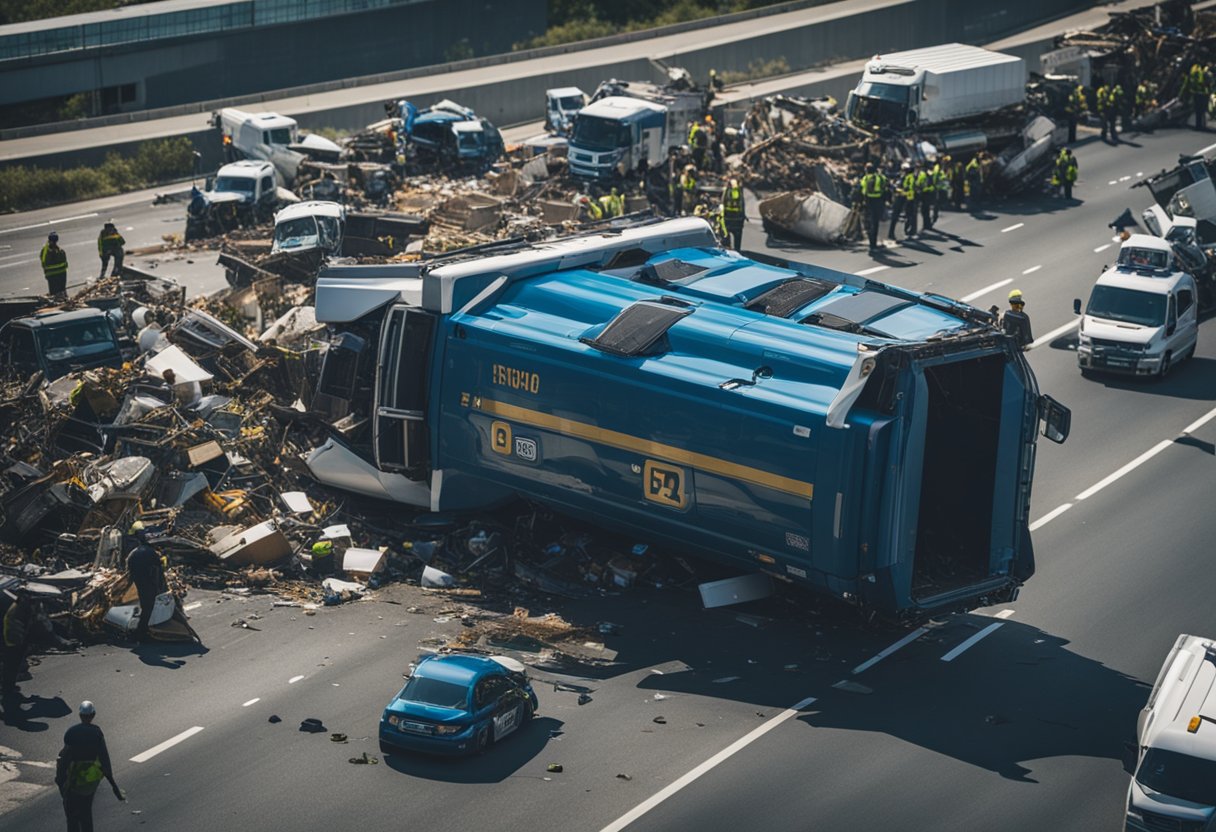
column 20, row 712
column 497, row 764
column 1192, row 379
column 169, row 655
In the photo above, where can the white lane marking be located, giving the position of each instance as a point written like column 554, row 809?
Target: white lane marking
column 1124, row 178
column 1113, row 182
column 252, row 701
column 1139, row 173
column 1126, row 469
column 1049, row 516
column 986, row 290
column 48, row 222
column 167, row 744
column 1013, row 227
column 1004, row 614
column 1101, row 248
column 1054, row 334
column 871, row 270
column 1200, row 422
column 193, row 606
column 719, row 758
column 971, row 642
column 18, row 263
column 1031, row 270
column 294, row 679
column 882, row 654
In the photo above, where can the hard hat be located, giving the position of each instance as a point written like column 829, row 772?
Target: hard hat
column 87, row 708
column 734, row 183
column 324, row 547
column 137, row 526
column 869, row 166
column 709, row 119
column 713, row 72
column 1016, row 296
column 690, row 168
column 905, row 166
column 53, row 237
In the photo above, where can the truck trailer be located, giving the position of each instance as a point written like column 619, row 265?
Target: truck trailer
column 865, row 441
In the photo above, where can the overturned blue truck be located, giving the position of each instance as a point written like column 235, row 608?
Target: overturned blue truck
column 862, row 440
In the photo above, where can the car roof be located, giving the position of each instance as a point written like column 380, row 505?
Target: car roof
column 56, row 317
column 1193, row 695
column 245, row 167
column 458, row 668
column 620, row 106
column 1146, row 241
column 564, row 92
column 1123, row 279
column 312, row 208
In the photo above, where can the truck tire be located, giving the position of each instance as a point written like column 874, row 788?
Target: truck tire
column 1167, row 364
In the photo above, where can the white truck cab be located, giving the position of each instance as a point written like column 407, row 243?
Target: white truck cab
column 1174, row 784
column 1142, row 317
column 274, row 138
column 561, row 106
column 305, row 226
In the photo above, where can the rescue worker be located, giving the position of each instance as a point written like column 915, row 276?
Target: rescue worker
column 1015, row 322
column 54, row 266
column 715, row 83
column 698, row 140
column 323, row 558
column 905, row 201
column 83, row 761
column 926, row 196
column 686, row 192
column 958, row 183
column 1074, row 109
column 18, row 622
column 734, row 213
column 612, row 204
column 1146, row 97
column 109, row 244
column 874, row 188
column 1065, row 172
column 941, row 185
column 975, row 183
column 146, row 571
column 590, row 209
column 1110, row 104
column 1196, row 85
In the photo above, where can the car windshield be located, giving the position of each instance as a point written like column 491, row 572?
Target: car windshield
column 1181, row 234
column 68, row 342
column 571, row 102
column 329, row 231
column 1144, row 258
column 291, row 233
column 1127, row 305
column 597, row 133
column 436, row 692
column 1179, row 775
column 234, row 184
column 281, row 135
column 468, row 140
column 884, row 105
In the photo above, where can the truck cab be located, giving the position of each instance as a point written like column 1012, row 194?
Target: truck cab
column 57, row 343
column 613, row 135
column 308, row 226
column 1174, row 783
column 1142, row 317
column 272, row 138
column 887, row 96
column 448, row 134
column 1187, row 189
column 561, row 108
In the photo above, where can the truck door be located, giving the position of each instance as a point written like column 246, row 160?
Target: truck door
column 399, row 434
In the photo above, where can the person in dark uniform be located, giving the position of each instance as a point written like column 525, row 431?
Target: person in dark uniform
column 83, row 761
column 145, row 570
column 1016, row 322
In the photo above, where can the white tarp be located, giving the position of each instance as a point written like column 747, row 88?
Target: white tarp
column 183, row 367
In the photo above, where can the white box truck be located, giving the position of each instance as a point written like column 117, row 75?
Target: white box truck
column 939, row 84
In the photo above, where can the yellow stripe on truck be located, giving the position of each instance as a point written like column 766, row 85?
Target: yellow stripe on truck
column 626, row 442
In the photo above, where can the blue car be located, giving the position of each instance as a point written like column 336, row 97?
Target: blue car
column 458, row 704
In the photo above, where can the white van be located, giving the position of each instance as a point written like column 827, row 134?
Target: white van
column 1174, row 785
column 1143, row 313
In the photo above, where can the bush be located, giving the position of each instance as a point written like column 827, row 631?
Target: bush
column 25, row 188
column 575, row 20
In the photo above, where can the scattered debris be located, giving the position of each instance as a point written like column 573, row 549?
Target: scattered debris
column 364, row 759
column 312, row 725
column 556, row 768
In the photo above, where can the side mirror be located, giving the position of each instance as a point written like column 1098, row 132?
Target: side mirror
column 1057, row 419
column 1076, row 306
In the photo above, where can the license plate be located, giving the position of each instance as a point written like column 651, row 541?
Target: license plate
column 416, row 727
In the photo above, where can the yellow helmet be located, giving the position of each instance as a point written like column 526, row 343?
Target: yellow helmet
column 137, row 526
column 1016, row 296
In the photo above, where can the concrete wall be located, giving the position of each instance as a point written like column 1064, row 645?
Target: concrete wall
column 243, row 61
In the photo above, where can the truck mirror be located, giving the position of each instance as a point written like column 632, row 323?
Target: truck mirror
column 1057, row 419
column 1076, row 306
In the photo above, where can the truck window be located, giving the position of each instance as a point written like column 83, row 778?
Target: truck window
column 280, row 135
column 1185, row 300
column 598, row 133
column 638, row 327
column 267, row 185
column 235, row 184
column 884, row 105
column 17, row 350
column 1127, row 305
column 291, row 233
column 1171, row 315
column 66, row 344
column 1178, row 775
column 1144, row 258
column 402, row 390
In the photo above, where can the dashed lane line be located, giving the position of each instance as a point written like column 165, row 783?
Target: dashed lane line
column 1013, row 227
column 1049, row 516
column 705, row 767
column 252, row 701
column 294, row 679
column 1004, row 614
column 882, row 654
column 971, row 642
column 1054, row 334
column 985, row 290
column 1031, row 270
column 1101, row 248
column 166, row 745
column 48, row 222
column 1126, row 469
column 871, row 270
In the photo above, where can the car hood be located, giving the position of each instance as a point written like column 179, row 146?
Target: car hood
column 1151, row 801
column 431, row 713
column 1118, row 331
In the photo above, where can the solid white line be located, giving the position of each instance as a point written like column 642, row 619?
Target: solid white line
column 1101, row 248
column 903, row 642
column 1004, row 614
column 723, row 755
column 48, row 222
column 1031, row 270
column 986, row 290
column 871, row 270
column 1200, row 422
column 193, row 606
column 1049, row 516
column 1054, row 334
column 971, row 642
column 252, row 701
column 1013, row 227
column 18, row 263
column 294, row 679
column 167, row 744
column 1126, row 469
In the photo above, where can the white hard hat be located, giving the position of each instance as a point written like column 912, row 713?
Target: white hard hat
column 87, row 708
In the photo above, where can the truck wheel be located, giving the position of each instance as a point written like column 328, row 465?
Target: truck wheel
column 1086, row 372
column 1166, row 366
column 483, row 740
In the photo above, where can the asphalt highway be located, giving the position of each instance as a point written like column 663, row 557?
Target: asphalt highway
column 1007, row 719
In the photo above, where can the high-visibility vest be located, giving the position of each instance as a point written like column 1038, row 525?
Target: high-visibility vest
column 974, row 171
column 873, row 186
column 84, row 776
column 1076, row 101
column 593, row 209
column 940, row 181
column 924, row 183
column 908, row 186
column 54, row 261
column 695, row 134
column 688, row 182
column 732, row 200
column 109, row 241
column 1196, row 82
